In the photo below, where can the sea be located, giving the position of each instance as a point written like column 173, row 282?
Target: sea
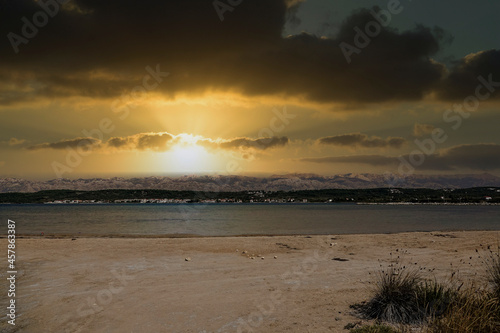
column 243, row 219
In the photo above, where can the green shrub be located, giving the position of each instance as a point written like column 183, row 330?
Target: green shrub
column 434, row 298
column 395, row 299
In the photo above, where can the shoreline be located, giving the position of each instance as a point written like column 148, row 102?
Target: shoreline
column 258, row 203
column 191, row 236
column 404, row 203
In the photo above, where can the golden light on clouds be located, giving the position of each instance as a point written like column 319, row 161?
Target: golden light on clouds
column 187, row 156
column 190, row 101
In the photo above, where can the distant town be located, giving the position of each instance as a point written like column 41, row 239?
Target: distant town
column 481, row 195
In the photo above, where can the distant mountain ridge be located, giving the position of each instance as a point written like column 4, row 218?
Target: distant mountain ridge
column 288, row 182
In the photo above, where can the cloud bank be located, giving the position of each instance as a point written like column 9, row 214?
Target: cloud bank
column 482, row 157
column 159, row 142
column 246, row 143
column 354, row 140
column 106, row 48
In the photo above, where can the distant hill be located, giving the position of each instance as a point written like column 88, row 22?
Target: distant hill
column 477, row 195
column 289, row 182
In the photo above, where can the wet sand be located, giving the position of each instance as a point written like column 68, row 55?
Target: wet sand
column 210, row 285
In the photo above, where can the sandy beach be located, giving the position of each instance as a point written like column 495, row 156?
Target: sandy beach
column 292, row 284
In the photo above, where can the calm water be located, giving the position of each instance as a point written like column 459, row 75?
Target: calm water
column 239, row 219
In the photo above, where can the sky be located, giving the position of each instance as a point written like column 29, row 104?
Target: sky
column 104, row 88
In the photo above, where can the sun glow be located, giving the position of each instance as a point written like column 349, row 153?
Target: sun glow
column 188, row 157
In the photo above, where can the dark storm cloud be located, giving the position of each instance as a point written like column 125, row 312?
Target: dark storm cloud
column 101, row 48
column 473, row 156
column 362, row 140
column 246, row 143
column 484, row 157
column 464, row 78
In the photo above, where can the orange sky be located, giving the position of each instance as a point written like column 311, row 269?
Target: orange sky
column 135, row 92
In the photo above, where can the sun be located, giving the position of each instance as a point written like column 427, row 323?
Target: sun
column 187, row 156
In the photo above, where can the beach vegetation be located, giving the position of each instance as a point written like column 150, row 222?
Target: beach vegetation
column 396, row 297
column 375, row 328
column 402, row 296
column 472, row 311
column 493, row 271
